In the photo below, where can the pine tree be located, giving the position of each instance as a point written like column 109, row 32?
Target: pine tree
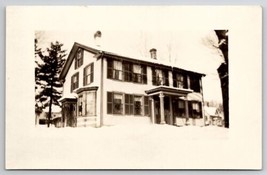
column 47, row 76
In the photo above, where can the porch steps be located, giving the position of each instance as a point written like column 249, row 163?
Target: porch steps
column 86, row 122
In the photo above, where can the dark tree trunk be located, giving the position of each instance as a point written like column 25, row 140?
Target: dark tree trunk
column 50, row 107
column 223, row 73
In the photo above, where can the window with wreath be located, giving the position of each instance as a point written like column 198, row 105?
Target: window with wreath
column 74, row 81
column 79, row 58
column 114, row 103
column 88, row 74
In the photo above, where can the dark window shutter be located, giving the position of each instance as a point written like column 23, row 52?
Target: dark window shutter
column 84, row 76
column 131, row 104
column 77, row 80
column 174, row 79
column 82, row 51
column 185, row 81
column 71, row 85
column 75, row 62
column 146, row 105
column 92, row 72
column 109, row 102
column 110, row 68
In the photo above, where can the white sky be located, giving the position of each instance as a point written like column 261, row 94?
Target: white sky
column 185, row 49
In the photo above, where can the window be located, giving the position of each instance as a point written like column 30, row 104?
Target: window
column 156, row 77
column 79, row 58
column 127, row 71
column 115, row 105
column 115, row 70
column 75, row 81
column 179, row 80
column 194, row 83
column 160, row 77
column 137, row 105
column 80, row 106
column 88, row 74
column 90, row 106
column 196, row 110
column 127, row 104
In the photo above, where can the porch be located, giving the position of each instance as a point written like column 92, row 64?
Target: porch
column 176, row 106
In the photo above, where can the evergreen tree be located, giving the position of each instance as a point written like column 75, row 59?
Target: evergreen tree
column 47, row 76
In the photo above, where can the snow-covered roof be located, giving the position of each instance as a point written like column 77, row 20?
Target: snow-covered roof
column 211, row 110
column 69, row 96
column 193, row 96
column 104, row 52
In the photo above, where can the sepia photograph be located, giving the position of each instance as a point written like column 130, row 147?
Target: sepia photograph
column 124, row 87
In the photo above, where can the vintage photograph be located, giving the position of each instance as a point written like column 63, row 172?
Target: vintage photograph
column 98, row 79
column 133, row 87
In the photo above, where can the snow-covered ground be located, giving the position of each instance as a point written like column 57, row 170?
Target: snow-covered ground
column 142, row 146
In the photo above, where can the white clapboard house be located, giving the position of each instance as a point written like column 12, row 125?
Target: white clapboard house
column 102, row 88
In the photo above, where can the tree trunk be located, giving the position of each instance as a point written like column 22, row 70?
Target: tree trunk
column 50, row 105
column 223, row 73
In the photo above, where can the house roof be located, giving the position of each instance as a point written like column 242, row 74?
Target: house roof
column 211, row 111
column 101, row 52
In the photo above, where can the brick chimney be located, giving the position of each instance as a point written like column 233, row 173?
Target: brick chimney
column 97, row 37
column 153, row 53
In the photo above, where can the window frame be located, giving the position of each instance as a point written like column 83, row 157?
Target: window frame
column 126, row 74
column 79, row 61
column 86, row 74
column 74, row 85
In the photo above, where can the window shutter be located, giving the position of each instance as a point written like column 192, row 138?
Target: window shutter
column 174, row 79
column 146, row 105
column 77, row 80
column 81, row 57
column 109, row 102
column 84, row 77
column 75, row 62
column 92, row 72
column 110, row 68
column 71, row 85
column 131, row 104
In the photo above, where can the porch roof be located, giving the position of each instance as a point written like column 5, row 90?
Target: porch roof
column 168, row 90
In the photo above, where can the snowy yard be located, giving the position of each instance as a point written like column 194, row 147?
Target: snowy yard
column 142, row 146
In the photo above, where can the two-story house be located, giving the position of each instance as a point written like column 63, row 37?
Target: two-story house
column 104, row 88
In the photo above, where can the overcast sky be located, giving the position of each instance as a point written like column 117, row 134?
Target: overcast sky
column 190, row 49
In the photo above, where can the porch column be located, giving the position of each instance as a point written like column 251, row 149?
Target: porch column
column 186, row 110
column 171, row 112
column 152, row 110
column 162, row 117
